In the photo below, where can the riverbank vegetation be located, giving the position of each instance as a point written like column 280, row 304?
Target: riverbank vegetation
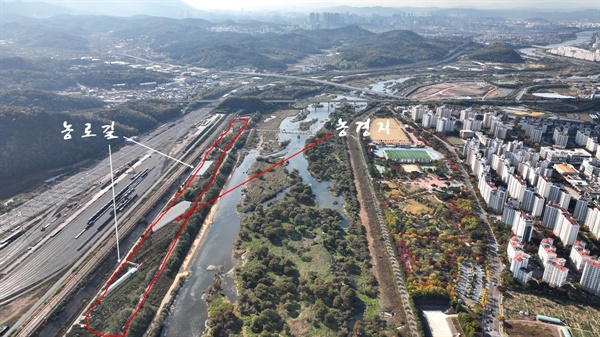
column 302, row 273
column 266, row 186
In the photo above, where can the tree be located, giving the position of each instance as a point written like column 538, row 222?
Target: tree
column 359, row 329
column 320, row 309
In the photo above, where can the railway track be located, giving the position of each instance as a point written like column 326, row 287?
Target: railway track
column 91, row 263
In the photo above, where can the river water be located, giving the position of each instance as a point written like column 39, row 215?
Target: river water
column 581, row 37
column 188, row 314
column 386, row 86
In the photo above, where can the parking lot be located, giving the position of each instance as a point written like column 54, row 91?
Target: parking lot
column 471, row 283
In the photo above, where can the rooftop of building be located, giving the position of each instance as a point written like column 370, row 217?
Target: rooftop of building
column 560, row 267
column 565, row 169
column 593, row 263
column 548, row 240
column 518, row 257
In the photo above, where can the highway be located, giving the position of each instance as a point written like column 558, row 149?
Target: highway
column 25, row 268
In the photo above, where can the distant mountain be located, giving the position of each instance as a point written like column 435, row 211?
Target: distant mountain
column 31, row 9
column 195, row 42
column 165, row 8
column 396, row 48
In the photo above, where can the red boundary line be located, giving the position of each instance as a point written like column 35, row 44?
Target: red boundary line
column 187, row 217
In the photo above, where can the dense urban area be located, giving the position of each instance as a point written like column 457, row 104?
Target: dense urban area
column 346, row 171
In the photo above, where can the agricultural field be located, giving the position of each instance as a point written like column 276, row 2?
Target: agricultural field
column 582, row 320
column 397, row 134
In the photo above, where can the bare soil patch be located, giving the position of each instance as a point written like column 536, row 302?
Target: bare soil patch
column 454, row 90
column 530, row 329
column 11, row 312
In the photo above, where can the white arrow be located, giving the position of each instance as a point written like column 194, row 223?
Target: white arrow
column 112, row 180
column 149, row 148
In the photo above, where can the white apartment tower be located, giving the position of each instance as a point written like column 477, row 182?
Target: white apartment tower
column 518, row 266
column 581, row 208
column 579, row 255
column 561, row 137
column 429, row 120
column 590, row 278
column 417, row 112
column 510, row 212
column 472, row 124
column 566, row 229
column 543, row 186
column 516, row 187
column 555, row 272
column 444, row 125
column 551, row 213
column 523, row 226
column 546, row 251
column 592, row 221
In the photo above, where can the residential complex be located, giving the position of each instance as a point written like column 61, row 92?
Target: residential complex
column 555, row 272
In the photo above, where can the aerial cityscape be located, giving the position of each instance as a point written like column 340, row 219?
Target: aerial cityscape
column 300, row 168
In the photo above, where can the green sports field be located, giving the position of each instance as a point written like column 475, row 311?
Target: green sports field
column 401, row 154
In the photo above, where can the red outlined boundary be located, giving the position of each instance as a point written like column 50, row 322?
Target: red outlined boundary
column 187, row 217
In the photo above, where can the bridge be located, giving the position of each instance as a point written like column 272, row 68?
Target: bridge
column 290, row 101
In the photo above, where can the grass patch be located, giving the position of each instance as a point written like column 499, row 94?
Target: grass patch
column 417, row 208
column 455, row 141
column 581, row 319
column 266, row 186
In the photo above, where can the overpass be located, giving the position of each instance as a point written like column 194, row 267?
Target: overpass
column 286, row 101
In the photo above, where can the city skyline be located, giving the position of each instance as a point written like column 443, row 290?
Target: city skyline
column 316, row 4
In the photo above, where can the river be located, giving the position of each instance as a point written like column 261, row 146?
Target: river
column 188, row 314
column 387, row 86
column 581, row 37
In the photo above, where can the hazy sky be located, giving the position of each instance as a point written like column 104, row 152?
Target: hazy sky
column 483, row 4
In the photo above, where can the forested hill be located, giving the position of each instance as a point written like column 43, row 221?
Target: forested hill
column 31, row 140
column 48, row 101
column 244, row 105
column 197, row 42
column 497, row 53
column 396, row 48
column 18, row 73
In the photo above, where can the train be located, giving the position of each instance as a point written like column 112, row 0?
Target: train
column 9, row 239
column 122, row 200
